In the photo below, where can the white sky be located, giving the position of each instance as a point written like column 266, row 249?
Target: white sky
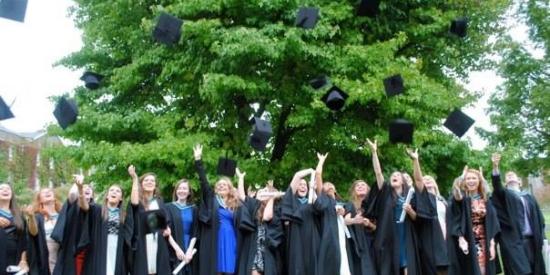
column 28, row 51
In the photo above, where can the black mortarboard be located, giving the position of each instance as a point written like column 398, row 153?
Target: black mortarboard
column 227, row 167
column 261, row 133
column 13, row 9
column 401, row 131
column 319, row 82
column 168, row 29
column 66, row 112
column 91, row 80
column 458, row 122
column 368, row 8
column 5, row 111
column 307, row 17
column 394, row 85
column 459, row 26
column 156, row 220
column 335, row 98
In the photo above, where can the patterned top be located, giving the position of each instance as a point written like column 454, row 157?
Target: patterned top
column 113, row 221
column 479, row 211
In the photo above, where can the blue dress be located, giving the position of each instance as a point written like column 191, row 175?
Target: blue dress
column 401, row 236
column 227, row 242
column 187, row 221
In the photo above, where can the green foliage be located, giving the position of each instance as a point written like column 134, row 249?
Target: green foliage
column 521, row 107
column 157, row 101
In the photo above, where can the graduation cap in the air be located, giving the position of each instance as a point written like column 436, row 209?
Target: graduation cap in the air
column 168, row 29
column 401, row 131
column 5, row 111
column 91, row 80
column 307, row 17
column 319, row 82
column 335, row 98
column 458, row 122
column 459, row 26
column 66, row 112
column 368, row 8
column 226, row 167
column 261, row 133
column 13, row 9
column 394, row 85
column 156, row 220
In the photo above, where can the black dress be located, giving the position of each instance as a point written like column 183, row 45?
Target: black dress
column 12, row 244
column 67, row 233
column 303, row 238
column 360, row 246
column 37, row 249
column 95, row 237
column 432, row 243
column 329, row 249
column 136, row 224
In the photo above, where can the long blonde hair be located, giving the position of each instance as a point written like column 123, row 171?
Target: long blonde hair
column 38, row 207
column 353, row 196
column 232, row 200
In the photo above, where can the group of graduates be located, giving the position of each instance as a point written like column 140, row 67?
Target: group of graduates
column 398, row 226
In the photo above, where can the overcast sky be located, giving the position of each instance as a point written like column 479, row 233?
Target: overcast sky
column 27, row 76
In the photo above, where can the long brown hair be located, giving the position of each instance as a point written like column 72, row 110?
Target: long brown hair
column 232, row 201
column 38, row 207
column 481, row 186
column 142, row 198
column 180, row 182
column 15, row 212
column 104, row 209
column 353, row 196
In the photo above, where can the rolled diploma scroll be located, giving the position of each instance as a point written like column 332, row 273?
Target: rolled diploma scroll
column 407, row 201
column 191, row 248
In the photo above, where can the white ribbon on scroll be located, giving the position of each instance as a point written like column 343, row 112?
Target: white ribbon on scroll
column 407, row 201
column 191, row 249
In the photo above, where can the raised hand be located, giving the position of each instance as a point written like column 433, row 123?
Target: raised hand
column 373, row 145
column 79, row 181
column 239, row 173
column 132, row 172
column 412, row 154
column 322, row 157
column 495, row 159
column 197, row 152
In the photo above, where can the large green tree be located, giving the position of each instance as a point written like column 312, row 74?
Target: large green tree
column 236, row 55
column 520, row 109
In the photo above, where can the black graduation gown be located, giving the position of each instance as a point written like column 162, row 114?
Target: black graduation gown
column 537, row 225
column 461, row 225
column 329, row 258
column 176, row 226
column 209, row 225
column 67, row 233
column 359, row 246
column 13, row 242
column 386, row 248
column 508, row 206
column 303, row 236
column 136, row 224
column 37, row 249
column 432, row 243
column 94, row 239
column 248, row 230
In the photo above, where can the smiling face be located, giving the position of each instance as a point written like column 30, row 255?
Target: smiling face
column 182, row 191
column 5, row 192
column 223, row 187
column 302, row 188
column 88, row 192
column 114, row 195
column 430, row 184
column 471, row 182
column 512, row 180
column 46, row 195
column 149, row 183
column 361, row 188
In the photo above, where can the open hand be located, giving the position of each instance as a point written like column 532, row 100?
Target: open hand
column 197, row 152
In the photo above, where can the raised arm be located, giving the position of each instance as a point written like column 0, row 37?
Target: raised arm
column 376, row 163
column 240, row 187
column 417, row 172
column 319, row 173
column 82, row 202
column 73, row 192
column 134, row 195
column 299, row 176
column 206, row 190
column 497, row 183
